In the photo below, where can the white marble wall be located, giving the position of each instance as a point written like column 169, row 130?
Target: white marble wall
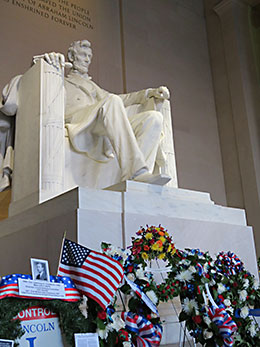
column 165, row 42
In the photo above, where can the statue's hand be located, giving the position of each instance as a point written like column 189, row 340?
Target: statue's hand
column 159, row 93
column 55, row 59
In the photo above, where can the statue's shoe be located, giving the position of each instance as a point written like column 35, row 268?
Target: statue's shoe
column 147, row 177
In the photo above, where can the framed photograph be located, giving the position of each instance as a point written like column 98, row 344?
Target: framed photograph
column 40, row 269
column 6, row 343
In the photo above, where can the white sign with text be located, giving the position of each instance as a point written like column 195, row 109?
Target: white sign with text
column 86, row 340
column 41, row 289
column 41, row 328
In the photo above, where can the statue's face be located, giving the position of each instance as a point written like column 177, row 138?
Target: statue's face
column 82, row 59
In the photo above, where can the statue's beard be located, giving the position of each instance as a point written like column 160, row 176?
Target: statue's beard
column 82, row 69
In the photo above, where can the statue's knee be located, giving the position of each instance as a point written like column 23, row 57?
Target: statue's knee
column 115, row 99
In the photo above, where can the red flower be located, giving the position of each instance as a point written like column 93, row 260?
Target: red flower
column 239, row 324
column 149, row 317
column 130, row 268
column 207, row 275
column 234, row 302
column 136, row 250
column 123, row 335
column 168, row 287
column 147, row 284
column 246, row 275
column 199, row 292
column 197, row 319
column 102, row 315
column 221, row 298
column 146, row 247
column 235, row 284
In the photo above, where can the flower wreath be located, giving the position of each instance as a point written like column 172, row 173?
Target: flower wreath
column 71, row 319
column 151, row 243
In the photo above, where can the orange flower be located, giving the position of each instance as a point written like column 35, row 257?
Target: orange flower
column 161, row 233
column 146, row 247
column 159, row 243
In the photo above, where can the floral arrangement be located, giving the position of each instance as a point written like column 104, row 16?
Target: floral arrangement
column 234, row 290
column 217, row 297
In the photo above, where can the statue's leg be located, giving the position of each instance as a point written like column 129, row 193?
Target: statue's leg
column 147, row 127
column 117, row 128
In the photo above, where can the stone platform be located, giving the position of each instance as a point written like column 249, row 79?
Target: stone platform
column 114, row 215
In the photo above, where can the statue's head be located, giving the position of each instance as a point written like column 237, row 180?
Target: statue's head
column 80, row 55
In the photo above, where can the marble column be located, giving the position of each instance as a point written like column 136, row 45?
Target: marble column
column 238, row 104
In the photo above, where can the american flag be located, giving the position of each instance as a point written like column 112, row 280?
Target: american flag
column 9, row 287
column 95, row 274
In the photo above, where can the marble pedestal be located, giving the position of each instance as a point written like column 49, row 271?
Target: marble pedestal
column 114, row 215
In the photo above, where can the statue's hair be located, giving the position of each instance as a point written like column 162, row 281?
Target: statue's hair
column 74, row 46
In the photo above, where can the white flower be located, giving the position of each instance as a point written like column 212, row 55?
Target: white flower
column 230, row 310
column 255, row 284
column 192, row 269
column 102, row 333
column 246, row 283
column 242, row 295
column 131, row 277
column 185, row 262
column 207, row 320
column 221, row 288
column 118, row 322
column 227, row 302
column 252, row 330
column 188, row 305
column 207, row 334
column 141, row 274
column 212, row 283
column 184, row 276
column 152, row 296
column 127, row 344
column 84, row 307
column 244, row 312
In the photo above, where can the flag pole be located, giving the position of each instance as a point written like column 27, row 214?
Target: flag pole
column 62, row 244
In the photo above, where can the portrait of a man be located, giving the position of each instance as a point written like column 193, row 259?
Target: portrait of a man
column 40, row 270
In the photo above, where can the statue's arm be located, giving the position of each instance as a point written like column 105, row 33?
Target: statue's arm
column 9, row 102
column 141, row 96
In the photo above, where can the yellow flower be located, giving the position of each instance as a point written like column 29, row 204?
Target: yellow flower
column 144, row 256
column 163, row 239
column 160, row 249
column 166, row 234
column 173, row 251
column 169, row 248
column 155, row 246
column 161, row 256
column 149, row 236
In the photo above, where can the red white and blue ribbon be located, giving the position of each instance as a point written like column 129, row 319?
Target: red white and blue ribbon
column 227, row 327
column 230, row 262
column 225, row 324
column 148, row 334
column 142, row 295
column 9, row 287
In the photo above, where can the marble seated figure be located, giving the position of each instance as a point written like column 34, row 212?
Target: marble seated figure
column 109, row 138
